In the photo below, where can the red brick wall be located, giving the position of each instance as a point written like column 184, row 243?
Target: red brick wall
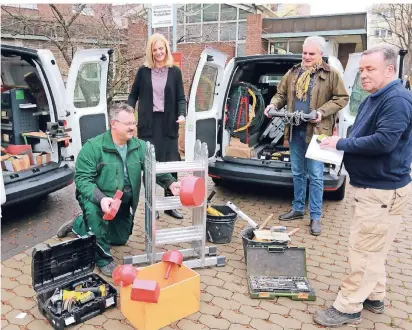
column 254, row 35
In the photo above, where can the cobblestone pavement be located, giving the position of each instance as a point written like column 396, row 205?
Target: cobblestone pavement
column 225, row 303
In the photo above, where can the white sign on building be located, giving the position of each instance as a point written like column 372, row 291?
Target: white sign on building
column 162, row 15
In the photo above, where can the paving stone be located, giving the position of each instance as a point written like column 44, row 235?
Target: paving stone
column 238, row 327
column 234, row 317
column 225, row 303
column 11, row 327
column 195, row 316
column 7, row 294
column 292, row 304
column 366, row 324
column 219, row 292
column 304, row 317
column 286, row 322
column 206, row 297
column 264, row 325
column 88, row 327
column 395, row 312
column 382, row 326
column 24, row 279
column 190, row 325
column 402, row 306
column 98, row 320
column 235, row 287
column 245, row 300
column 213, row 322
column 10, row 272
column 207, row 271
column 211, row 309
column 11, row 317
column 115, row 324
column 114, row 313
column 5, row 309
column 406, row 325
column 12, row 263
column 38, row 325
column 209, row 280
column 36, row 313
column 319, row 271
column 24, row 291
column 8, row 283
column 393, row 296
column 22, row 303
column 256, row 313
column 229, row 277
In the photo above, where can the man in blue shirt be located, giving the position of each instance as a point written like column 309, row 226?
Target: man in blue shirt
column 378, row 156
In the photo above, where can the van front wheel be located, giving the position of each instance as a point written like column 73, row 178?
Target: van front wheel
column 339, row 194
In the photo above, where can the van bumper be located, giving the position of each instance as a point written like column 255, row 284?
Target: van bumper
column 39, row 185
column 264, row 175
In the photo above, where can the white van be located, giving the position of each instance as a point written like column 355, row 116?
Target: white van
column 211, row 97
column 39, row 110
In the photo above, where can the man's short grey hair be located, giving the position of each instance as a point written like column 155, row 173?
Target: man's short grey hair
column 116, row 108
column 390, row 54
column 318, row 40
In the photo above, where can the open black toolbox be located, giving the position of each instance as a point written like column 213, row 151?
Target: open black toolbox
column 278, row 271
column 66, row 266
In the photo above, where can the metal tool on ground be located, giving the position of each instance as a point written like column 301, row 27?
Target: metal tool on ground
column 114, row 206
column 145, row 291
column 124, row 275
column 211, row 210
column 172, row 258
column 241, row 214
column 273, row 235
column 262, row 226
column 100, row 290
column 200, row 255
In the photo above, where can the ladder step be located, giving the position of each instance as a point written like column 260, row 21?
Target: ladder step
column 168, row 203
column 172, row 167
column 178, row 235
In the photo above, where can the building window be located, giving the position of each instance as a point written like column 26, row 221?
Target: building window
column 241, row 50
column 193, row 13
column 295, row 47
column 228, row 13
column 210, row 32
column 210, row 12
column 242, row 31
column 243, row 14
column 88, row 11
column 383, row 33
column 227, row 31
column 23, row 5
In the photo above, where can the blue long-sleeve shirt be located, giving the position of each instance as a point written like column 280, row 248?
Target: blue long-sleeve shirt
column 378, row 152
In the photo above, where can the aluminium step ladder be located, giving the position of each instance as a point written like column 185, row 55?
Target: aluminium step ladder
column 200, row 254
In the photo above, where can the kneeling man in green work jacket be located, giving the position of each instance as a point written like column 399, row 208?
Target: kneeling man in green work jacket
column 109, row 162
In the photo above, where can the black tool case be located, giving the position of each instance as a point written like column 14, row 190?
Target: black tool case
column 278, row 264
column 62, row 266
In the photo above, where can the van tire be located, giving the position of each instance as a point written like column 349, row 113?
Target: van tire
column 217, row 182
column 339, row 194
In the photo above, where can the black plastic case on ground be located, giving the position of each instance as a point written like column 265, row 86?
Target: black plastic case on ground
column 278, row 262
column 60, row 266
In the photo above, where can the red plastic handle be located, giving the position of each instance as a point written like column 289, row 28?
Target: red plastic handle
column 114, row 207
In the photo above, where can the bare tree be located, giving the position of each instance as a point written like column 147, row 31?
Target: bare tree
column 396, row 19
column 70, row 28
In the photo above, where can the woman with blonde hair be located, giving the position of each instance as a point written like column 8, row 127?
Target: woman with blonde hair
column 158, row 86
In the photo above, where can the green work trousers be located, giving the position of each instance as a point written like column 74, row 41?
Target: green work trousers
column 108, row 232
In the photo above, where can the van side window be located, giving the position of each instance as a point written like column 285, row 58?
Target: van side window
column 357, row 96
column 87, row 89
column 206, row 89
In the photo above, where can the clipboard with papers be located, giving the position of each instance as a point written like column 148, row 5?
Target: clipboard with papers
column 324, row 155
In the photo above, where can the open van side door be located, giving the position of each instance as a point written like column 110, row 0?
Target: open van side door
column 205, row 102
column 86, row 97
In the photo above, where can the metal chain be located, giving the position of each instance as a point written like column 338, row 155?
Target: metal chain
column 295, row 120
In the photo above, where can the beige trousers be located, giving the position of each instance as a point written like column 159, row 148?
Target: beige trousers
column 376, row 218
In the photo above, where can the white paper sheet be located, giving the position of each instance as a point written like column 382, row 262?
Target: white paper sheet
column 324, row 155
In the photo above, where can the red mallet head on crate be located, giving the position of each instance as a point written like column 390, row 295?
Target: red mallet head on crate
column 145, row 291
column 192, row 191
column 124, row 275
column 114, row 207
column 172, row 257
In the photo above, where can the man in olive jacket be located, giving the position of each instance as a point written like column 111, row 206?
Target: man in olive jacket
column 309, row 85
column 109, row 162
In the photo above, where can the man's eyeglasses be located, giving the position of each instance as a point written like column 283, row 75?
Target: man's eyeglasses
column 129, row 123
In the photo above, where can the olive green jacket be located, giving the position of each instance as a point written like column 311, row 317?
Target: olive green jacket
column 99, row 169
column 328, row 96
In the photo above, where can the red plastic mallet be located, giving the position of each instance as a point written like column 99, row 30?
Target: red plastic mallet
column 114, row 206
column 172, row 257
column 145, row 291
column 124, row 275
